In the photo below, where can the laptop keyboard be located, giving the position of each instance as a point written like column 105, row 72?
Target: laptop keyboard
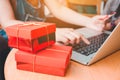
column 95, row 41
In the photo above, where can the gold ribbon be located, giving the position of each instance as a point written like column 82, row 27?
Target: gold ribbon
column 34, row 59
column 17, row 42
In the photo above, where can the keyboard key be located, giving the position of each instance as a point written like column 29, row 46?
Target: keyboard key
column 96, row 42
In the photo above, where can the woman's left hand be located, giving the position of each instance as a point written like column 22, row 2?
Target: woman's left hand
column 98, row 22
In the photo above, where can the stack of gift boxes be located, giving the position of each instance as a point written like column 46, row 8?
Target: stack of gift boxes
column 37, row 51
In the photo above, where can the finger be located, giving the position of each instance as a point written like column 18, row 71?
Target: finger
column 108, row 26
column 107, row 17
column 102, row 17
column 77, row 37
column 62, row 40
column 71, row 38
column 85, row 39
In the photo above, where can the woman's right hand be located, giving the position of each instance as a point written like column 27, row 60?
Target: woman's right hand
column 68, row 36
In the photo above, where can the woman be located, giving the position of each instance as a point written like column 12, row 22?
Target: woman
column 27, row 10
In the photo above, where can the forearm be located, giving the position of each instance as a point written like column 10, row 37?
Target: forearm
column 72, row 17
column 65, row 14
column 6, row 14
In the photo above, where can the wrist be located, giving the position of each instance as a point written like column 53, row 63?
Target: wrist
column 88, row 23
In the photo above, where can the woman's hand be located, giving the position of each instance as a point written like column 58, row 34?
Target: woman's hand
column 68, row 36
column 117, row 21
column 111, row 24
column 98, row 22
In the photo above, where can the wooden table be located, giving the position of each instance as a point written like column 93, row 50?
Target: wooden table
column 106, row 69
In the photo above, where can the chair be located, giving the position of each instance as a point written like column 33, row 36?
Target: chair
column 89, row 4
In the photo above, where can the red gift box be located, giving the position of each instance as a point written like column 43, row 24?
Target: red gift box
column 53, row 60
column 31, row 36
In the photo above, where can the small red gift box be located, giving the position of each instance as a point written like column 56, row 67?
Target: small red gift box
column 31, row 36
column 53, row 60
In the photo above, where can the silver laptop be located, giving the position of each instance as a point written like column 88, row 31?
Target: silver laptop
column 102, row 45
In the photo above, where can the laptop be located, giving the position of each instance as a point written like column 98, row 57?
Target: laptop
column 102, row 45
